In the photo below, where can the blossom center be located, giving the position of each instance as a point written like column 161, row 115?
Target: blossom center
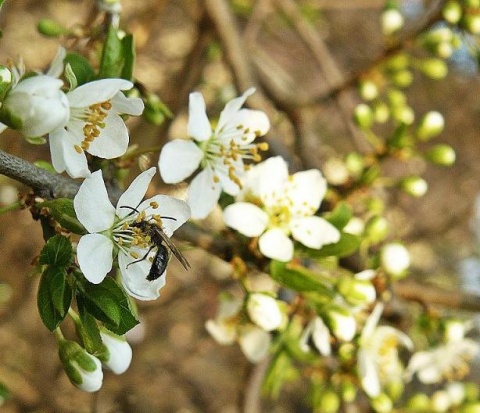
column 93, row 119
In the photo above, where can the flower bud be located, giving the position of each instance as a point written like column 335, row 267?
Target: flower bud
column 363, row 116
column 404, row 114
column 454, row 330
column 354, row 163
column 254, row 343
column 4, row 394
column 5, row 80
column 414, row 186
column 381, row 112
column 51, row 28
column 83, row 369
column 382, row 403
column 368, row 90
column 264, row 311
column 395, row 259
column 452, row 12
column 341, row 322
column 377, row 229
column 36, row 106
column 440, row 402
column 472, row 23
column 443, row 155
column 117, row 353
column 434, row 68
column 456, row 392
column 349, row 392
column 431, row 125
column 329, row 402
column 356, row 292
column 402, row 78
column 419, row 402
column 392, row 20
column 472, row 392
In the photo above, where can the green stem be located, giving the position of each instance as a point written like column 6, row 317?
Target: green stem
column 58, row 334
column 140, row 151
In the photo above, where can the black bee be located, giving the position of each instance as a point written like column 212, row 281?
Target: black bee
column 164, row 246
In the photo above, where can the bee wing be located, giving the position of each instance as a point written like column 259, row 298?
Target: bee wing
column 171, row 246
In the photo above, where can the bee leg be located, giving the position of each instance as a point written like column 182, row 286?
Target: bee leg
column 144, row 257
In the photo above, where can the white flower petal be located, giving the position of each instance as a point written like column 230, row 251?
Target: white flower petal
column 367, row 370
column 120, row 352
column 92, row 206
column 222, row 333
column 254, row 343
column 198, row 124
column 321, row 336
column 178, row 160
column 135, row 192
column 275, row 244
column 264, row 311
column 94, row 255
column 246, row 218
column 129, row 106
column 255, row 121
column 113, row 139
column 231, row 109
column 97, row 91
column 134, row 277
column 372, row 322
column 65, row 157
column 314, row 232
column 268, row 180
column 306, row 189
column 168, row 207
column 203, row 194
column 223, row 172
column 56, row 67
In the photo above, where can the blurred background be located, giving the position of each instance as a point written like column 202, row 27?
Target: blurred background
column 305, row 57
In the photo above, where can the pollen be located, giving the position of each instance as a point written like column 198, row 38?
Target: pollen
column 94, row 118
column 78, row 149
column 154, row 204
column 134, row 255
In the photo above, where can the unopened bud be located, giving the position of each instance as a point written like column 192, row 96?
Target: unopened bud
column 264, row 311
column 349, row 392
column 381, row 112
column 431, row 125
column 434, row 68
column 117, row 354
column 440, row 402
column 395, row 259
column 472, row 392
column 419, row 402
column 368, row 90
column 404, row 114
column 376, row 229
column 354, row 163
column 363, row 116
column 452, row 12
column 456, row 392
column 443, row 155
column 341, row 322
column 472, row 23
column 83, row 369
column 392, row 21
column 414, row 186
column 402, row 78
column 454, row 330
column 329, row 402
column 356, row 292
column 382, row 403
column 51, row 28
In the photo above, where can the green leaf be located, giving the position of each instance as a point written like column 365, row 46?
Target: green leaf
column 54, row 297
column 298, row 278
column 81, row 68
column 57, row 252
column 280, row 370
column 112, row 56
column 4, row 393
column 108, row 303
column 347, row 245
column 45, row 165
column 128, row 46
column 340, row 216
column 88, row 329
column 63, row 211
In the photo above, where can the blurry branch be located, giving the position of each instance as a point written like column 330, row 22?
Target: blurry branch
column 44, row 183
column 430, row 18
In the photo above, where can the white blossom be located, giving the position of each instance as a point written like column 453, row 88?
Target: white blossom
column 264, row 311
column 219, row 153
column 273, row 205
column 119, row 352
column 318, row 332
column 395, row 259
column 114, row 231
column 94, row 125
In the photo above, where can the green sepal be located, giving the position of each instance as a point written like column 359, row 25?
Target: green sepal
column 64, row 213
column 80, row 66
column 57, row 252
column 111, row 64
column 347, row 245
column 53, row 297
column 340, row 216
column 87, row 329
column 45, row 165
column 108, row 303
column 298, row 278
column 128, row 47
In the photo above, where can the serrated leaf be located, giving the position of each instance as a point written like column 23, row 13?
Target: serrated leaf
column 57, row 252
column 298, row 278
column 128, row 47
column 112, row 56
column 53, row 297
column 81, row 68
column 88, row 329
column 347, row 245
column 108, row 303
column 63, row 211
column 340, row 216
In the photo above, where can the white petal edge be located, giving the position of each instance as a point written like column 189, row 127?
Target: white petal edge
column 94, row 255
column 65, row 157
column 92, row 206
column 246, row 218
column 198, row 124
column 134, row 194
column 129, row 106
column 203, row 194
column 113, row 139
column 97, row 91
column 254, row 343
column 367, row 370
column 306, row 189
column 314, row 232
column 275, row 244
column 231, row 109
column 178, row 160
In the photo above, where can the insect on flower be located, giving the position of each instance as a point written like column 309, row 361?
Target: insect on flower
column 151, row 232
